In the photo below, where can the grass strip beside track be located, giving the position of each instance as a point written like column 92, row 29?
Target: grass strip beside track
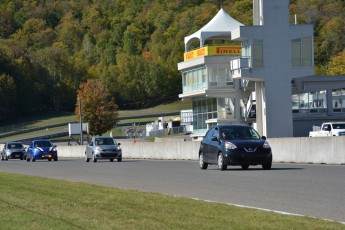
column 28, row 202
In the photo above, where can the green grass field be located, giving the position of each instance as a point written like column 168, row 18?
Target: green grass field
column 64, row 117
column 59, row 118
column 28, row 202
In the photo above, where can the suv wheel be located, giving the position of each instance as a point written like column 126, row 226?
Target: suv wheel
column 86, row 158
column 267, row 166
column 221, row 164
column 94, row 159
column 245, row 166
column 202, row 164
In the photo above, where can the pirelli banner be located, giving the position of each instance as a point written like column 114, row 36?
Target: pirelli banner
column 211, row 51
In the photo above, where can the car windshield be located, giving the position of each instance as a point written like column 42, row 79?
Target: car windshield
column 104, row 141
column 15, row 146
column 339, row 126
column 43, row 144
column 239, row 133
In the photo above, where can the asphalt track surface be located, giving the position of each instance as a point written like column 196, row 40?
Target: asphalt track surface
column 304, row 189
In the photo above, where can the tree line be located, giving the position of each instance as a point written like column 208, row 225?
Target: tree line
column 50, row 48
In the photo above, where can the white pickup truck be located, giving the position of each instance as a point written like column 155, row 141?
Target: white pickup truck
column 328, row 129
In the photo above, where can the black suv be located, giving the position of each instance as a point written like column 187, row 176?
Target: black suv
column 234, row 145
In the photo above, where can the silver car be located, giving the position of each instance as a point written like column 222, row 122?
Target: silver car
column 13, row 150
column 102, row 147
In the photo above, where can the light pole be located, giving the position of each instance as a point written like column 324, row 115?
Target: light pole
column 81, row 122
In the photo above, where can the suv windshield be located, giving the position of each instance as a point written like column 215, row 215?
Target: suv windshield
column 239, row 133
column 15, row 146
column 43, row 144
column 339, row 126
column 104, row 141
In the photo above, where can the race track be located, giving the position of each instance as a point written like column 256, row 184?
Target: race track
column 312, row 190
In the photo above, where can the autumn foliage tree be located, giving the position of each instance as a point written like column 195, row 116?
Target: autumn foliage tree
column 337, row 64
column 98, row 107
column 49, row 47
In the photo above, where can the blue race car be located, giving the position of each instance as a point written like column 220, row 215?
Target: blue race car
column 40, row 150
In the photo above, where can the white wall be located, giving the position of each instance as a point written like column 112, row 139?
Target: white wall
column 325, row 150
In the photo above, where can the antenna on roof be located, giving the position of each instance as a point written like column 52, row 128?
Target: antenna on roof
column 220, row 4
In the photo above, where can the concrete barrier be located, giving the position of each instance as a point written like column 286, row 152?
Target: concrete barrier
column 318, row 150
column 71, row 151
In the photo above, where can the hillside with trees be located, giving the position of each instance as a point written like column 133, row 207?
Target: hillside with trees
column 48, row 48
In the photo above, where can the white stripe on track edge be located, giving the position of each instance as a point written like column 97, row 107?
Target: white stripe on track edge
column 269, row 210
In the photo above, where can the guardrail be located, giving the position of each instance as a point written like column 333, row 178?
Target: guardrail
column 119, row 124
column 13, row 133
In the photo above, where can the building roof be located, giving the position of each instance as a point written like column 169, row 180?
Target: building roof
column 218, row 28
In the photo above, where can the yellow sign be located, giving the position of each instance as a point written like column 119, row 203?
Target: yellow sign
column 212, row 51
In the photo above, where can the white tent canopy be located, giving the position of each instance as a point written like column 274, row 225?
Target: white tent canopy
column 218, row 28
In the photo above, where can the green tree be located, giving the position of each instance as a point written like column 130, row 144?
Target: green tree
column 331, row 42
column 70, row 32
column 328, row 19
column 34, row 34
column 130, row 79
column 131, row 46
column 8, row 96
column 6, row 22
column 62, row 79
column 98, row 107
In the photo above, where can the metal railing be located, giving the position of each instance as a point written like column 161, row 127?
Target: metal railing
column 238, row 63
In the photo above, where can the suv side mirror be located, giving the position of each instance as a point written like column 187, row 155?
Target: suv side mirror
column 214, row 138
column 263, row 138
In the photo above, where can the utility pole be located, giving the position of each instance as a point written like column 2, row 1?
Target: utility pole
column 220, row 4
column 81, row 122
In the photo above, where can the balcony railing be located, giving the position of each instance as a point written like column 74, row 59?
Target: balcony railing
column 236, row 64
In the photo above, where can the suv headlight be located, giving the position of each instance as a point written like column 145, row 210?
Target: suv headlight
column 98, row 148
column 38, row 150
column 118, row 148
column 229, row 145
column 266, row 145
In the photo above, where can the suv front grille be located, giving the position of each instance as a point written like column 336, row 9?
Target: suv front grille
column 250, row 149
column 109, row 150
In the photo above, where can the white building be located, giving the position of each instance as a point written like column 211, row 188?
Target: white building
column 158, row 125
column 267, row 80
column 187, row 120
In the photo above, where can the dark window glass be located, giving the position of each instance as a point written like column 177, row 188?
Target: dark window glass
column 43, row 144
column 209, row 133
column 216, row 133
